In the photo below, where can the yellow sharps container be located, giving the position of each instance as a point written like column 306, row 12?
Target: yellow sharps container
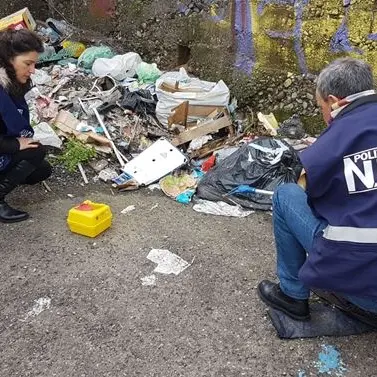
column 89, row 219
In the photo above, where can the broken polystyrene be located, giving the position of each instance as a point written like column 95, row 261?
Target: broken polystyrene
column 167, row 262
column 220, row 209
column 160, row 159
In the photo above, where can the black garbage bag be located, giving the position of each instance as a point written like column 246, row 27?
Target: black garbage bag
column 292, row 128
column 264, row 163
column 140, row 102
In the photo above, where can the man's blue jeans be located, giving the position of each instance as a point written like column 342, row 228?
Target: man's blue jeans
column 295, row 227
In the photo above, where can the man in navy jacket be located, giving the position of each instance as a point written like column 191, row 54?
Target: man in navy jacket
column 326, row 229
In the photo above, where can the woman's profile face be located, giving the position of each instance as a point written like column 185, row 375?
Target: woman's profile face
column 24, row 65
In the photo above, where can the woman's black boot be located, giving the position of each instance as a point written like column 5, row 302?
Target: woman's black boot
column 8, row 183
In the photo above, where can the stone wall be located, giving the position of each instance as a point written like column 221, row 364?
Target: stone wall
column 254, row 45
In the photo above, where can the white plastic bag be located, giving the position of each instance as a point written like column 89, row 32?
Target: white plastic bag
column 119, row 67
column 46, row 135
column 196, row 91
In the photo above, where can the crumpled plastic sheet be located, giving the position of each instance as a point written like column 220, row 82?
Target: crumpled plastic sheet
column 220, row 209
column 44, row 133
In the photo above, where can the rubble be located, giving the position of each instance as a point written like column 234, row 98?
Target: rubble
column 142, row 124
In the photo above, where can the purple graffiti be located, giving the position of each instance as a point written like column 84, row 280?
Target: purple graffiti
column 340, row 42
column 296, row 33
column 243, row 36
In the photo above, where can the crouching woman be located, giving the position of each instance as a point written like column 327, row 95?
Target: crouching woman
column 22, row 159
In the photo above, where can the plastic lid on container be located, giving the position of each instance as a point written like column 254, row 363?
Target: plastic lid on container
column 85, row 207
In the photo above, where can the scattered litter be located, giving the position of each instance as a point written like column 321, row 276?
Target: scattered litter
column 97, row 166
column 220, row 209
column 128, row 209
column 18, row 20
column 269, row 123
column 173, row 88
column 83, row 174
column 149, row 281
column 44, row 133
column 39, row 306
column 46, row 186
column 154, row 207
column 40, row 77
column 167, row 262
column 264, row 163
column 134, row 125
column 70, row 196
column 107, row 174
column 199, row 142
column 119, row 67
column 148, row 73
column 292, row 128
column 155, row 186
column 173, row 186
column 91, row 54
column 155, row 162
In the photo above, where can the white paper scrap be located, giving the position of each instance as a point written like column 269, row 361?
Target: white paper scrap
column 39, row 306
column 167, row 262
column 149, row 280
column 128, row 209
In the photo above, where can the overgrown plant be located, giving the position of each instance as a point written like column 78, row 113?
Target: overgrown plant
column 76, row 152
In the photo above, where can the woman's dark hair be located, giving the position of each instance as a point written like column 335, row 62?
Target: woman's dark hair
column 14, row 43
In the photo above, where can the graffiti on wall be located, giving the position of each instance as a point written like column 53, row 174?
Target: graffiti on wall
column 243, row 36
column 296, row 33
column 244, row 18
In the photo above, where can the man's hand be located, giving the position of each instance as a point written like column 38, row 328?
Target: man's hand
column 302, row 180
column 27, row 143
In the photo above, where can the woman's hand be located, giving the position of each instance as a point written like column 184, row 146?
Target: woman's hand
column 27, row 143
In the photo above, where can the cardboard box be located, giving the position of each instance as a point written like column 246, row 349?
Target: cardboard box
column 19, row 20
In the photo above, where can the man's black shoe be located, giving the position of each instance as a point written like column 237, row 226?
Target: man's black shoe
column 271, row 294
column 11, row 215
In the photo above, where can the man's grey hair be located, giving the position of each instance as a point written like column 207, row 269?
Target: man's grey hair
column 344, row 77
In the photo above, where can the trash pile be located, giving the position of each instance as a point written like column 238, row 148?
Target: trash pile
column 134, row 125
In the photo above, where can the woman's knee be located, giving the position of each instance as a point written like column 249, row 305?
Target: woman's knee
column 44, row 171
column 34, row 155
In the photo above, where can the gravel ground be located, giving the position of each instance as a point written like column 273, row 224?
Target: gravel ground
column 93, row 317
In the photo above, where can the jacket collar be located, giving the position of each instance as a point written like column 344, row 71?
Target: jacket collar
column 4, row 78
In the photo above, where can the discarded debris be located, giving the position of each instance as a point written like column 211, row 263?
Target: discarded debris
column 220, row 209
column 107, row 174
column 155, row 162
column 83, row 174
column 167, row 262
column 269, row 123
column 39, row 306
column 128, row 209
column 18, row 20
column 149, row 281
